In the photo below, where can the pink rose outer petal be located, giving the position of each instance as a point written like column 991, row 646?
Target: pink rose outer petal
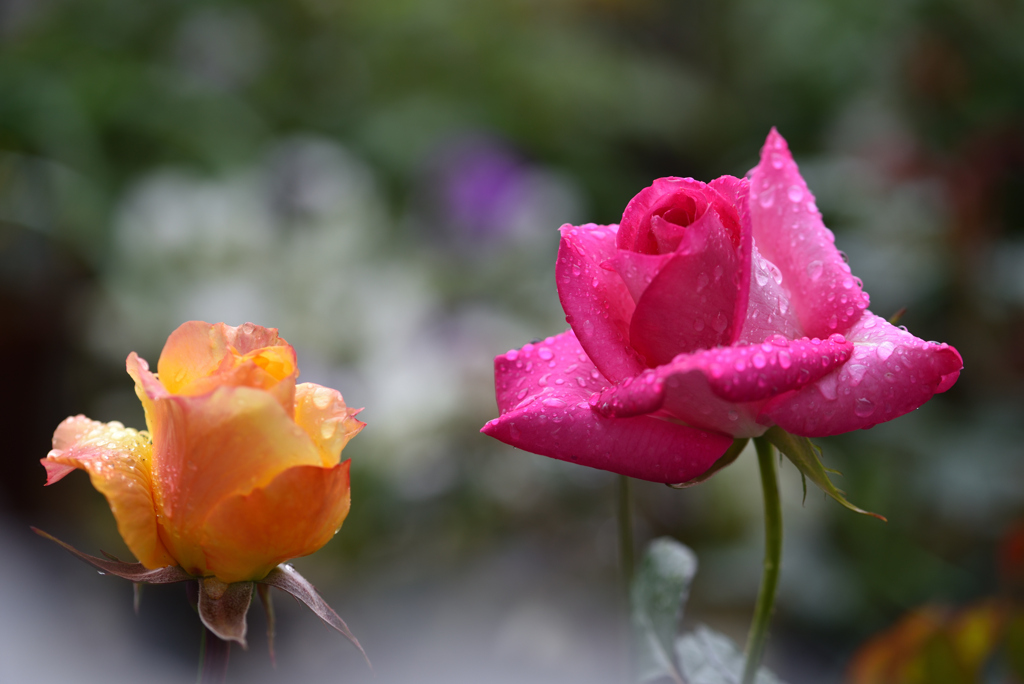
column 770, row 310
column 596, row 302
column 890, row 373
column 720, row 389
column 543, row 393
column 789, row 232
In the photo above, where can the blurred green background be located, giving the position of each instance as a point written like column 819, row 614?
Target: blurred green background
column 382, row 180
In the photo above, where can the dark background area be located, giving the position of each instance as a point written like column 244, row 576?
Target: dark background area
column 383, row 181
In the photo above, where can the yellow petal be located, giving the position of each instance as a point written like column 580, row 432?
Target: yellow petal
column 247, row 535
column 147, row 387
column 118, row 462
column 211, row 447
column 322, row 413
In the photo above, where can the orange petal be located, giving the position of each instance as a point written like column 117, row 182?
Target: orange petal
column 247, row 535
column 192, row 352
column 147, row 387
column 118, row 462
column 215, row 446
column 322, row 413
column 199, row 357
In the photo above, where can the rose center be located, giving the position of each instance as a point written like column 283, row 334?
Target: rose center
column 668, row 226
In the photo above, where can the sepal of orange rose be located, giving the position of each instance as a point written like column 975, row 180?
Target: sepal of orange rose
column 223, row 607
column 286, row 578
column 134, row 572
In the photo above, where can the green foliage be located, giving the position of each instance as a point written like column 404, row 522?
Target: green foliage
column 658, row 597
column 807, row 458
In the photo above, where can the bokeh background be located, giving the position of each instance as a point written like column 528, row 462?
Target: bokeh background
column 383, row 181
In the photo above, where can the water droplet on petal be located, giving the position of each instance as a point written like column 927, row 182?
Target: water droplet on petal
column 702, row 281
column 545, row 353
column 795, row 193
column 833, row 322
column 733, row 415
column 884, row 350
column 814, row 269
column 827, row 387
column 784, row 360
column 698, row 324
column 759, row 360
column 767, row 198
column 554, row 402
column 720, row 323
column 863, row 407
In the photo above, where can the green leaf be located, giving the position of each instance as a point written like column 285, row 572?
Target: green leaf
column 730, row 455
column 707, row 657
column 657, row 596
column 807, row 458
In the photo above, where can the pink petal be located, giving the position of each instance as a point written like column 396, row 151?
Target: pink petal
column 691, row 301
column 890, row 373
column 635, row 230
column 543, row 392
column 596, row 302
column 638, row 270
column 721, row 389
column 789, row 232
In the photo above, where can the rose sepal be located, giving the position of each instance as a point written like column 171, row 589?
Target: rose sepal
column 223, row 606
column 806, row 456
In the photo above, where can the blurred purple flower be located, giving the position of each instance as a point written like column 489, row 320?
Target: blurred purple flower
column 482, row 186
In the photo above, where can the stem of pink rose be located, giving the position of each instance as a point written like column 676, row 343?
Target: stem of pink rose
column 772, row 559
column 625, row 506
column 624, row 500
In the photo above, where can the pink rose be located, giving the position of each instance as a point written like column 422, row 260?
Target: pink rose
column 712, row 311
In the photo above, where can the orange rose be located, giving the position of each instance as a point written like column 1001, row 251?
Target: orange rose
column 239, row 470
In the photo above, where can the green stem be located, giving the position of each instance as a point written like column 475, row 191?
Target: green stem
column 772, row 559
column 626, row 531
column 624, row 497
